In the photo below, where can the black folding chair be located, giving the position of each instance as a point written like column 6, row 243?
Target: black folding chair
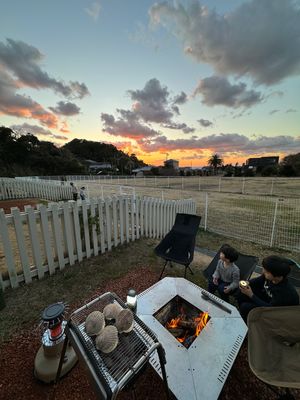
column 179, row 244
column 294, row 276
column 245, row 263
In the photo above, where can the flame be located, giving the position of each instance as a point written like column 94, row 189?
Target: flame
column 200, row 320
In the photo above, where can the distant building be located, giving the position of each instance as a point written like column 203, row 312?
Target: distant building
column 143, row 171
column 172, row 164
column 262, row 162
column 95, row 166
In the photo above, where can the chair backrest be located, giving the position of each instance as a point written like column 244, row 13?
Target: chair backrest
column 179, row 244
column 294, row 276
column 186, row 224
column 274, row 345
column 246, row 264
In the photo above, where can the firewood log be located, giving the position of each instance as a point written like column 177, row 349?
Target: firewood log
column 176, row 332
column 187, row 324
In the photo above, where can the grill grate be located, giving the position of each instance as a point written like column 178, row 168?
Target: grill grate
column 115, row 369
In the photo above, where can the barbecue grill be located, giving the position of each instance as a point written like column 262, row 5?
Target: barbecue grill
column 110, row 373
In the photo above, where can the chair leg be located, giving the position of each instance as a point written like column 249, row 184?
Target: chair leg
column 190, row 269
column 161, row 274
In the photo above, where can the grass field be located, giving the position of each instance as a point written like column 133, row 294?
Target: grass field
column 268, row 220
column 267, row 186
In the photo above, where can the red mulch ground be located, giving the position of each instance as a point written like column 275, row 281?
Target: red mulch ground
column 17, row 359
column 8, row 204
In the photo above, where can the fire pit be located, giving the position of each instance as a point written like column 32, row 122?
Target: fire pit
column 202, row 347
column 183, row 320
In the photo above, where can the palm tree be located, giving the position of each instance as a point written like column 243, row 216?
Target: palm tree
column 215, row 161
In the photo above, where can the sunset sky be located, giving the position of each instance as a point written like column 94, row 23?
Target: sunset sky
column 174, row 79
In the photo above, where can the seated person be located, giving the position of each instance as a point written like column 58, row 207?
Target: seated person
column 226, row 277
column 272, row 288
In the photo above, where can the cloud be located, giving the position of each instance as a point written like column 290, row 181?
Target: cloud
column 217, row 90
column 36, row 130
column 126, row 126
column 65, row 108
column 259, row 38
column 180, row 98
column 23, row 62
column 151, row 103
column 291, row 110
column 205, row 122
column 273, row 112
column 21, row 106
column 224, row 143
column 182, row 126
column 93, row 10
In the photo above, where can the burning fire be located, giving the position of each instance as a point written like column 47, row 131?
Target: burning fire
column 197, row 324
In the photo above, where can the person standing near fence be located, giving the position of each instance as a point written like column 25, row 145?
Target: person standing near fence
column 82, row 193
column 74, row 191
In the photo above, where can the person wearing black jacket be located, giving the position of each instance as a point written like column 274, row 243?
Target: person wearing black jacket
column 271, row 289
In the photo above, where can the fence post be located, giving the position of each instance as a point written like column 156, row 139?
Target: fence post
column 182, row 185
column 206, row 211
column 272, row 185
column 168, row 181
column 243, row 186
column 220, row 184
column 274, row 222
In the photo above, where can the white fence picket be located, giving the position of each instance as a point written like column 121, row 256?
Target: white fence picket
column 8, row 252
column 77, row 230
column 115, row 221
column 35, row 243
column 21, row 244
column 126, row 220
column 132, row 219
column 44, row 222
column 68, row 233
column 122, row 223
column 108, row 224
column 94, row 227
column 57, row 236
column 137, row 217
column 101, row 225
column 85, row 221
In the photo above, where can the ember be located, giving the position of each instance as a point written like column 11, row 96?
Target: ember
column 183, row 320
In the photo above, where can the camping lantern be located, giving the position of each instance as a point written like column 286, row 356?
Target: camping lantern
column 131, row 299
column 48, row 356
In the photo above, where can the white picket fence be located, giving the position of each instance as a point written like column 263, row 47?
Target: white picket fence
column 38, row 242
column 11, row 188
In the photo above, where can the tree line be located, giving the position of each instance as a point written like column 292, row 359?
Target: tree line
column 26, row 155
column 289, row 167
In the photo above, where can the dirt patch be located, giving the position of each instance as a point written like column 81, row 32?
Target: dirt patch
column 17, row 360
column 20, row 203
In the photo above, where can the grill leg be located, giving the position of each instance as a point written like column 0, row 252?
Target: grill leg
column 161, row 274
column 162, row 360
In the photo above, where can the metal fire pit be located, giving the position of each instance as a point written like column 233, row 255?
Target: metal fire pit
column 111, row 372
column 200, row 371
